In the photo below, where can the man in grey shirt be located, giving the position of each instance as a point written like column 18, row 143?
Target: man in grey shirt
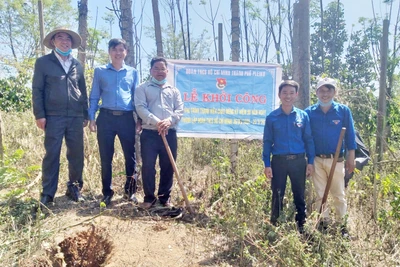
column 160, row 107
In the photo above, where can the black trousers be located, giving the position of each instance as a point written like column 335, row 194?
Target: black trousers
column 152, row 146
column 296, row 170
column 58, row 128
column 123, row 126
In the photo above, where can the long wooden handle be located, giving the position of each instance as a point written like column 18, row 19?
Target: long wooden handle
column 332, row 171
column 171, row 158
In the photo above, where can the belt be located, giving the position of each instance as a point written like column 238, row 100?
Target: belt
column 115, row 112
column 156, row 131
column 330, row 156
column 289, row 156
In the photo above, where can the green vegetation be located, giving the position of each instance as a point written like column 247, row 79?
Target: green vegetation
column 238, row 205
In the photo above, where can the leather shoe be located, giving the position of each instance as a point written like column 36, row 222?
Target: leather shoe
column 146, row 205
column 107, row 199
column 300, row 227
column 73, row 192
column 45, row 200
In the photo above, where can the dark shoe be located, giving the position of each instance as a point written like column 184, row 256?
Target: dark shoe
column 345, row 232
column 300, row 227
column 131, row 197
column 107, row 199
column 167, row 204
column 323, row 226
column 73, row 192
column 45, row 200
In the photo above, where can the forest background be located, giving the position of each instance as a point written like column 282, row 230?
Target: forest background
column 254, row 31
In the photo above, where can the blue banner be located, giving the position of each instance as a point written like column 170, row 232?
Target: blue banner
column 225, row 99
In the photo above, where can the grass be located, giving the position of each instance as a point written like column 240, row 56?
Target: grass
column 238, row 204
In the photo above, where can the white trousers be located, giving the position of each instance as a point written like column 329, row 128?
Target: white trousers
column 320, row 179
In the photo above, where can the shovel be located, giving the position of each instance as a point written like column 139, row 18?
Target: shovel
column 330, row 177
column 171, row 158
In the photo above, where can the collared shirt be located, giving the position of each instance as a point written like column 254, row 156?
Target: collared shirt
column 66, row 64
column 116, row 88
column 287, row 134
column 326, row 128
column 154, row 103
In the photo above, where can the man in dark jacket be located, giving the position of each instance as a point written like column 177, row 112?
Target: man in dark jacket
column 60, row 107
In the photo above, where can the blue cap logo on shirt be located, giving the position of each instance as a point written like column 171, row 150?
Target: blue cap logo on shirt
column 336, row 121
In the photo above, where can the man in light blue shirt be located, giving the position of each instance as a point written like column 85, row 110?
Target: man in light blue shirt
column 160, row 107
column 115, row 85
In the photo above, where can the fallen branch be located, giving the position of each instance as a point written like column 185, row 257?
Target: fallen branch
column 29, row 186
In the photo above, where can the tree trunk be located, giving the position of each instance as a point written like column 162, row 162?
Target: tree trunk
column 126, row 27
column 157, row 28
column 303, row 74
column 380, row 137
column 246, row 35
column 82, row 29
column 188, row 29
column 321, row 44
column 235, row 24
column 295, row 42
column 276, row 36
column 178, row 4
column 1, row 142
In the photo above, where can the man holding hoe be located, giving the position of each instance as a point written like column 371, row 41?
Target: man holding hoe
column 327, row 120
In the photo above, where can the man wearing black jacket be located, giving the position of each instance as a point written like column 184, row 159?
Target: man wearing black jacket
column 60, row 107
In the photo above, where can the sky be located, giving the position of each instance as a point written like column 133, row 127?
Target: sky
column 354, row 9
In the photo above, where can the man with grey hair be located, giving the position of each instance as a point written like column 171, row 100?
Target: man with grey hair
column 327, row 119
column 60, row 107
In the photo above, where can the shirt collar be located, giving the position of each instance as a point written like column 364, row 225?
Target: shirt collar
column 110, row 66
column 280, row 110
column 69, row 58
column 165, row 85
column 334, row 106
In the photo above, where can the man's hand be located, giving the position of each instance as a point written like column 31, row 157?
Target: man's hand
column 41, row 123
column 309, row 170
column 350, row 161
column 92, row 126
column 163, row 126
column 268, row 172
column 139, row 126
column 85, row 123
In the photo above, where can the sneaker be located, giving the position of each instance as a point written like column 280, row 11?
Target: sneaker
column 107, row 199
column 345, row 232
column 131, row 197
column 73, row 192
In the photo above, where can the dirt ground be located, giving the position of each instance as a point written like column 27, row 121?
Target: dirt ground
column 125, row 235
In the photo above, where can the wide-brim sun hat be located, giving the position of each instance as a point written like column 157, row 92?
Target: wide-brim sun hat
column 326, row 81
column 76, row 38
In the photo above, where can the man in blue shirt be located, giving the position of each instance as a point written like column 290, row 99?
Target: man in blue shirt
column 115, row 85
column 327, row 119
column 287, row 136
